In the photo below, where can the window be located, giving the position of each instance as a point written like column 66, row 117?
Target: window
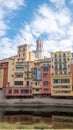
column 56, row 67
column 19, row 75
column 37, row 74
column 19, row 63
column 19, row 68
column 64, row 55
column 65, row 80
column 24, row 91
column 55, row 55
column 45, row 83
column 27, row 83
column 61, row 86
column 16, row 91
column 46, row 89
column 45, row 68
column 60, row 60
column 64, row 59
column 55, row 60
column 37, row 83
column 44, row 65
column 61, row 80
column 56, row 81
column 45, row 75
column 61, row 92
column 65, row 66
column 60, row 66
column 18, row 83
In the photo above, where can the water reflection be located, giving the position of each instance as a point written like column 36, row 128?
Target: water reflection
column 54, row 120
column 62, row 121
column 25, row 119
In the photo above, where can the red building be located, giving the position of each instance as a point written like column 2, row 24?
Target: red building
column 4, row 66
column 46, row 80
column 18, row 91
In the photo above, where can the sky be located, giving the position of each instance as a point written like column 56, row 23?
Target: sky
column 50, row 20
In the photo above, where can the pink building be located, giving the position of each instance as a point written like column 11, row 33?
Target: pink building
column 18, row 91
column 46, row 80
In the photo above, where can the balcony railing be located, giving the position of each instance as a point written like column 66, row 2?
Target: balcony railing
column 60, row 68
column 28, row 77
column 19, row 64
column 30, row 70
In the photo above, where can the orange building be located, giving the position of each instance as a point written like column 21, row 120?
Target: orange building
column 72, row 73
column 3, row 74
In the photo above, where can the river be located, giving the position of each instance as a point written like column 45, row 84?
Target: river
column 30, row 120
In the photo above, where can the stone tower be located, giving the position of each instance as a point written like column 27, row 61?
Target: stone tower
column 39, row 49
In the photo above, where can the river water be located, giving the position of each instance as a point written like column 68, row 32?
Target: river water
column 35, row 120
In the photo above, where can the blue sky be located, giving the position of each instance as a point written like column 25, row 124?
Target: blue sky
column 52, row 20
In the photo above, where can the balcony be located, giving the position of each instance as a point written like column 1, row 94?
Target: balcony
column 36, row 86
column 61, row 68
column 28, row 70
column 20, row 64
column 19, row 69
column 28, row 77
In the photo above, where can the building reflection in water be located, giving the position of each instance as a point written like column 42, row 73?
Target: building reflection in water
column 56, row 121
column 62, row 121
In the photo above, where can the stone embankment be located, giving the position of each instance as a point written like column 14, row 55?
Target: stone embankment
column 35, row 101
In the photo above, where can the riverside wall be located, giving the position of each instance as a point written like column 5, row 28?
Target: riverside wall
column 34, row 102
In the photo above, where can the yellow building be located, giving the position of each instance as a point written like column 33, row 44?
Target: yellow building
column 61, row 77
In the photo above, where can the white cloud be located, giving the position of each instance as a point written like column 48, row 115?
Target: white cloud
column 6, row 8
column 56, row 25
column 11, row 4
column 65, row 44
column 58, row 3
column 71, row 1
column 6, row 48
column 51, row 22
column 3, row 28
